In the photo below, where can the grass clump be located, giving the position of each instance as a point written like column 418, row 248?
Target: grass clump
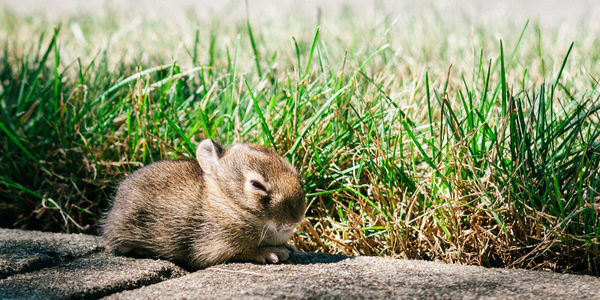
column 415, row 139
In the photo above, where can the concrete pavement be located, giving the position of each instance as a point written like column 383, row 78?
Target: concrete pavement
column 37, row 265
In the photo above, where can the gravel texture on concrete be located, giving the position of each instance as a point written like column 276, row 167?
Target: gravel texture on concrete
column 41, row 265
column 38, row 265
column 23, row 251
column 89, row 277
column 313, row 276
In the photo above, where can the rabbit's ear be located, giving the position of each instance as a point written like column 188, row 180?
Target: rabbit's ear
column 208, row 154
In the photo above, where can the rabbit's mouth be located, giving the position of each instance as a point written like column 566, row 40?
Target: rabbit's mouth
column 290, row 225
column 277, row 234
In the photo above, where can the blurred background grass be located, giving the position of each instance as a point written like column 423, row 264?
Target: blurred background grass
column 460, row 131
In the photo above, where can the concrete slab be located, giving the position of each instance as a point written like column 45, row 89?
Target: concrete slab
column 39, row 265
column 23, row 251
column 87, row 277
column 310, row 276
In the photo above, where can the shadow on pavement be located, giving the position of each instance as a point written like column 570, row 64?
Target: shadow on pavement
column 307, row 258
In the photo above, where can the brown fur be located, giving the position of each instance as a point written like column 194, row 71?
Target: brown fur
column 207, row 211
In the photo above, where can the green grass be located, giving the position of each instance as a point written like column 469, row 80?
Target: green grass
column 414, row 138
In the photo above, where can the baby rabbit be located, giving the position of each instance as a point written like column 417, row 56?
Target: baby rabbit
column 241, row 204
